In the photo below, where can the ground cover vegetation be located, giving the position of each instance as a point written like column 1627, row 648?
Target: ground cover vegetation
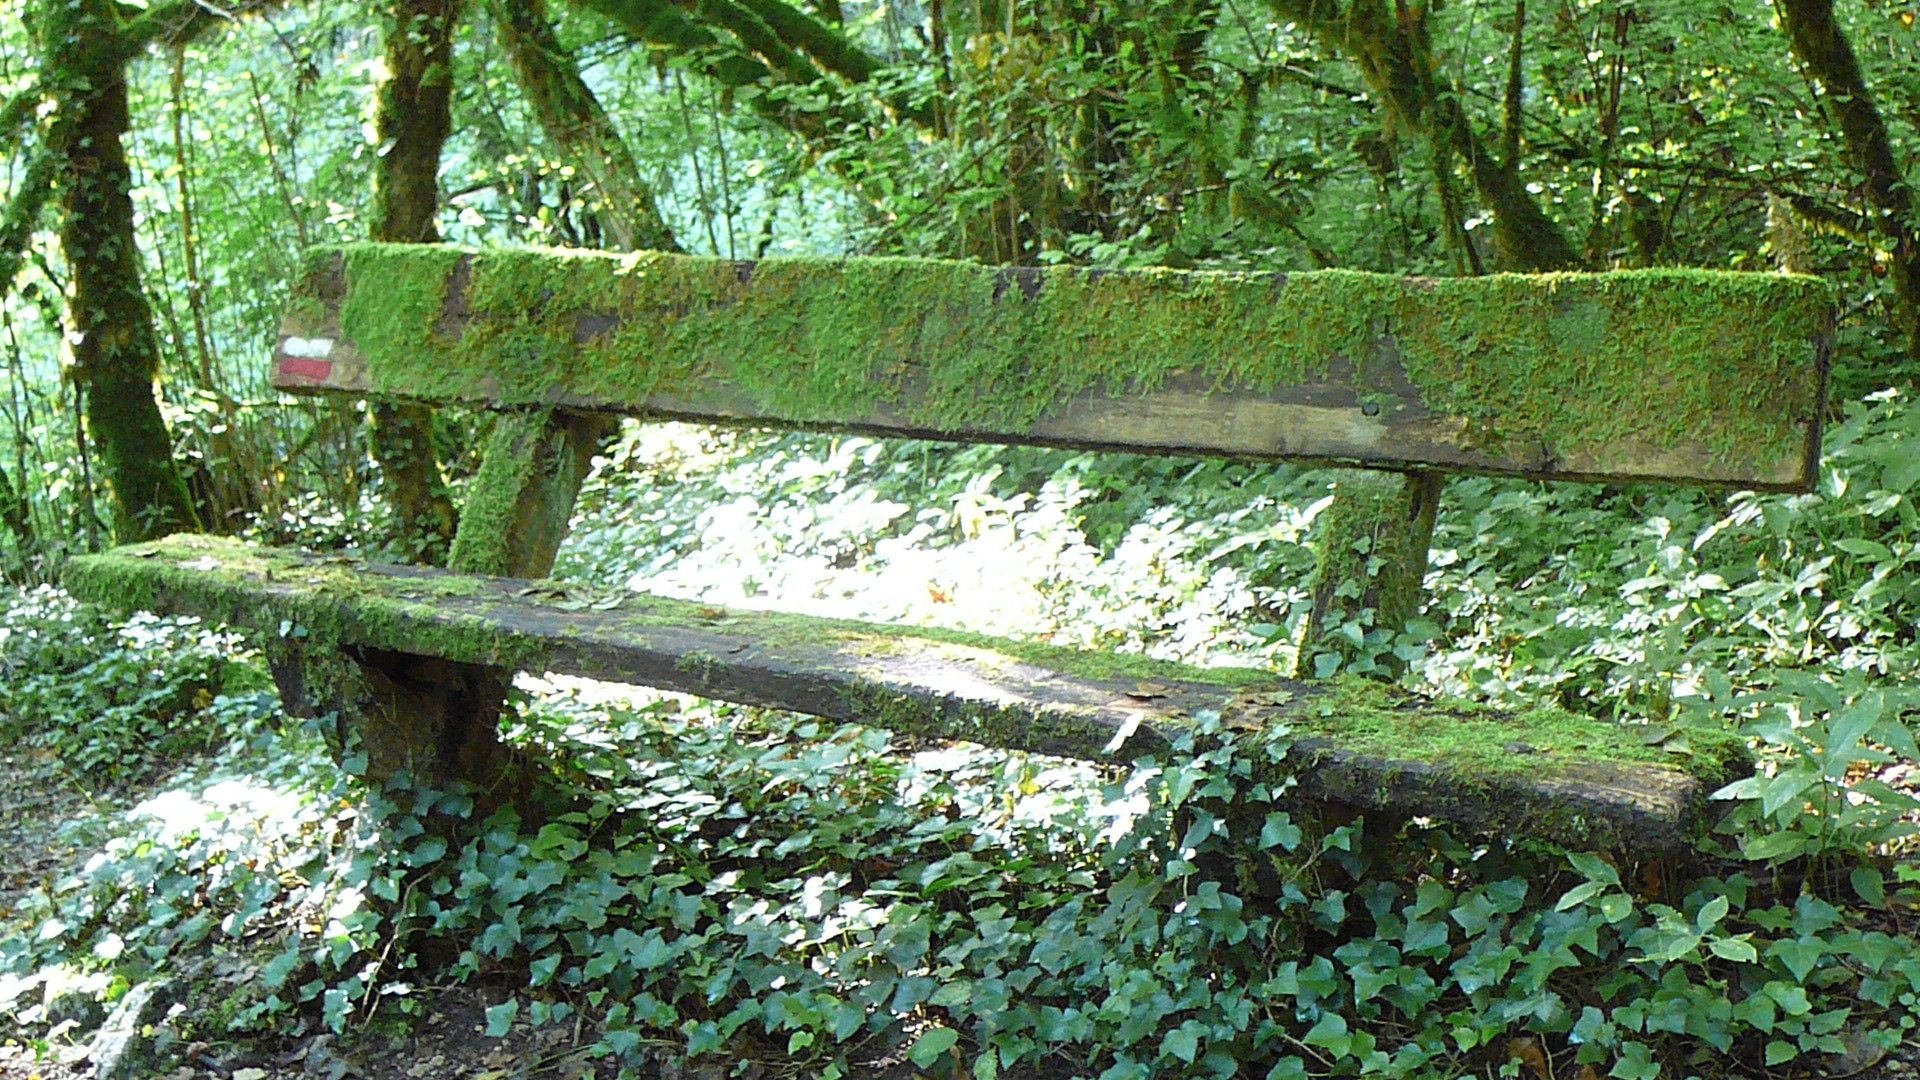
column 761, row 890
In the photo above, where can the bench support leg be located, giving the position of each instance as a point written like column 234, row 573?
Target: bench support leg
column 435, row 719
column 420, row 716
column 522, row 497
column 1372, row 566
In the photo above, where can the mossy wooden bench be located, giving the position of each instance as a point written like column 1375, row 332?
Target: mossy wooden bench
column 1671, row 376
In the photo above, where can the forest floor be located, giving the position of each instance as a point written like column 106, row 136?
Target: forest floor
column 39, row 800
column 446, row 1041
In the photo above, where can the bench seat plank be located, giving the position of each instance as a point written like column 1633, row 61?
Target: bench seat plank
column 1544, row 773
column 1675, row 375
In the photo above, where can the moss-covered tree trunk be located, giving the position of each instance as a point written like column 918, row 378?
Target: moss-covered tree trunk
column 412, row 117
column 573, row 119
column 115, row 352
column 1825, row 53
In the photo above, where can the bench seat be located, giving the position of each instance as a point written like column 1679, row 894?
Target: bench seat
column 1544, row 772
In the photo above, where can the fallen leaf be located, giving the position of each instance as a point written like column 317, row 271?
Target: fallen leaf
column 249, row 1074
column 1147, row 691
column 1861, row 1054
column 1527, row 1052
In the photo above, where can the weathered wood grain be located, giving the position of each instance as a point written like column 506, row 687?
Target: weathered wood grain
column 1582, row 782
column 1679, row 376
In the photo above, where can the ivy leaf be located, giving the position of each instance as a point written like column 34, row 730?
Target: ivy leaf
column 1291, row 1067
column 1183, row 1042
column 500, row 1018
column 1331, row 1032
column 1636, row 1063
column 930, row 1045
column 1799, row 957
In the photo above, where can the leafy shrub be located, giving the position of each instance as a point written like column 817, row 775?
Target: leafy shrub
column 764, row 886
column 118, row 700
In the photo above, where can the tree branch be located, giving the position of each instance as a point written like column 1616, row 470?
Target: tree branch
column 22, row 214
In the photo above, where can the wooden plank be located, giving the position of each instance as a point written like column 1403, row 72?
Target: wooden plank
column 1546, row 773
column 1685, row 376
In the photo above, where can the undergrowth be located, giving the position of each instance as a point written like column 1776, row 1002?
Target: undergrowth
column 767, row 888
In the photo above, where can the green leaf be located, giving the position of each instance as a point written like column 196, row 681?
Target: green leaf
column 1636, row 1063
column 1799, row 957
column 954, row 993
column 1279, row 831
column 931, row 1044
column 1868, row 548
column 1785, row 788
column 1711, row 913
column 1580, row 894
column 1770, row 846
column 1183, row 1042
column 1594, row 868
column 1738, row 949
column 1331, row 1033
column 1870, row 884
column 500, row 1018
column 1291, row 1067
column 542, row 970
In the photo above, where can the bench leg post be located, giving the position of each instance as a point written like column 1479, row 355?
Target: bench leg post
column 434, row 719
column 1372, row 548
column 522, row 498
column 420, row 716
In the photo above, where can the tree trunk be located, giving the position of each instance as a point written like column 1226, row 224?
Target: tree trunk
column 22, row 214
column 1390, row 46
column 17, row 515
column 411, row 119
column 571, row 116
column 1825, row 53
column 116, row 355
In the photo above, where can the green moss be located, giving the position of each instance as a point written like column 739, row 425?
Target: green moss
column 1477, row 740
column 325, row 602
column 497, row 496
column 1574, row 361
column 1473, row 762
column 400, row 296
column 334, row 602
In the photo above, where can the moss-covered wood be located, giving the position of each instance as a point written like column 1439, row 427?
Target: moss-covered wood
column 1371, row 546
column 412, row 116
column 1546, row 772
column 1675, row 375
column 520, row 502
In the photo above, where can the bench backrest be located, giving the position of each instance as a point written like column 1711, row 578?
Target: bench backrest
column 1674, row 375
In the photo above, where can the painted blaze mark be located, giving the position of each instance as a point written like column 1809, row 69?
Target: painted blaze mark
column 306, row 357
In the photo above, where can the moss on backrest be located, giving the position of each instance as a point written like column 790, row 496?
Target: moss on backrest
column 1577, row 361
